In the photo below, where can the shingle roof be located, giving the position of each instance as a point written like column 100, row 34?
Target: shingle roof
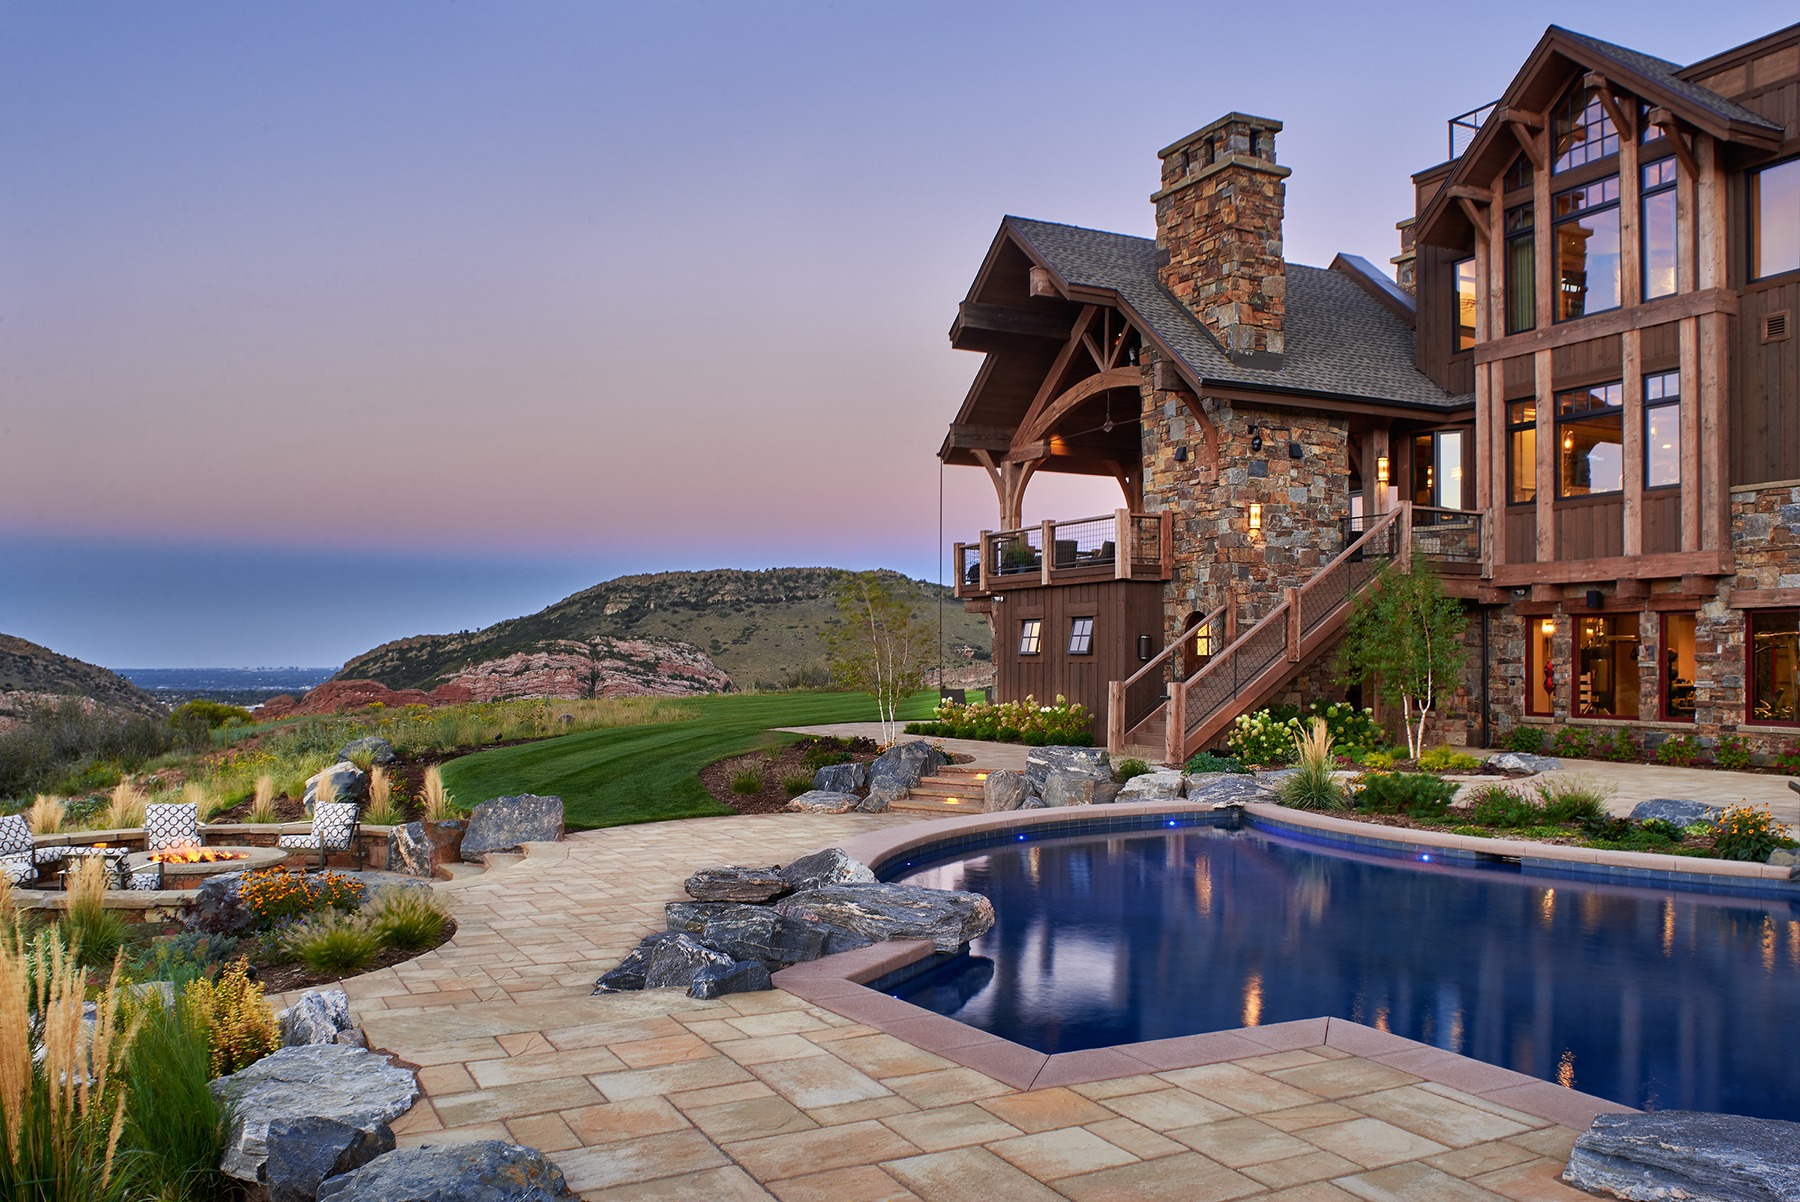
column 1668, row 75
column 1339, row 340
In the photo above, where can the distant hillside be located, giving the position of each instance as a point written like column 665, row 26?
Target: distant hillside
column 30, row 673
column 763, row 628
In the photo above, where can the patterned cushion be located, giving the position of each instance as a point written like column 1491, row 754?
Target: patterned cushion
column 18, row 867
column 333, row 824
column 309, row 842
column 171, row 826
column 15, row 835
column 144, row 880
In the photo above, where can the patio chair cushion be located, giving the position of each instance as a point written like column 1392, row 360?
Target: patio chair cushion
column 15, row 835
column 168, row 826
column 334, row 824
column 144, row 880
column 304, row 842
column 19, row 867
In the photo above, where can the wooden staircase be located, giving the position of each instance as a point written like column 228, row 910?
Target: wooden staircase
column 954, row 789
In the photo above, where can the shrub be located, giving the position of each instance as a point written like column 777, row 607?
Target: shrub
column 1415, row 794
column 240, row 1026
column 198, row 718
column 747, row 780
column 1572, row 800
column 174, row 1126
column 1604, row 828
column 183, row 956
column 1124, row 770
column 1732, row 753
column 125, row 809
column 1507, row 809
column 48, row 742
column 1789, row 760
column 1061, row 724
column 332, row 942
column 1262, row 738
column 796, row 784
column 1663, row 828
column 1312, row 787
column 1680, row 751
column 1526, row 739
column 273, row 894
column 1571, row 742
column 1621, row 748
column 1206, row 761
column 94, row 934
column 1379, row 761
column 407, row 916
column 1746, row 832
column 262, row 803
column 1444, row 758
column 824, row 752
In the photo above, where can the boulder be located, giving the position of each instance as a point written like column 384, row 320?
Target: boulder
column 841, row 778
column 734, row 883
column 818, row 801
column 488, row 1170
column 1226, row 788
column 878, row 801
column 412, row 850
column 1106, row 792
column 692, row 917
column 331, row 1081
column 315, row 1018
column 448, row 835
column 352, row 1038
column 675, row 960
column 508, row 823
column 378, row 749
column 348, row 783
column 759, row 933
column 1519, row 763
column 899, row 769
column 1040, row 762
column 745, row 977
column 1672, row 1154
column 828, row 867
column 1668, row 809
column 630, row 973
column 854, row 916
column 1152, row 786
column 1069, row 789
column 304, row 1152
column 1004, row 790
column 219, row 908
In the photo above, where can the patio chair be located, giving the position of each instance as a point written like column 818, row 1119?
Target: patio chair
column 167, row 826
column 334, row 828
column 18, row 850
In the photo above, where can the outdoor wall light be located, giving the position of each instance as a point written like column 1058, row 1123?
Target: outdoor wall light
column 1594, row 599
column 1255, row 439
column 1548, row 626
column 1255, row 515
column 1180, row 454
column 1381, row 469
column 1143, row 648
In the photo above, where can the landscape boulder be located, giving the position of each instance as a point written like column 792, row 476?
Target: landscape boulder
column 744, row 977
column 1519, row 763
column 447, row 833
column 1068, row 789
column 1226, row 788
column 1106, row 792
column 675, row 960
column 508, row 823
column 734, row 883
column 818, row 801
column 488, row 1170
column 692, row 917
column 829, row 867
column 631, row 972
column 1672, row 1154
column 317, row 1017
column 841, row 778
column 1668, row 809
column 348, row 783
column 331, row 1081
column 412, row 850
column 899, row 770
column 1040, row 762
column 1004, row 790
column 761, row 934
column 219, row 908
column 852, row 916
column 1152, row 786
column 304, row 1152
column 377, row 749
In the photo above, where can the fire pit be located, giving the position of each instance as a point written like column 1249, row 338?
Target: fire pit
column 186, row 867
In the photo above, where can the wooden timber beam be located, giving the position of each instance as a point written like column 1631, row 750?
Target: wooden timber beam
column 1043, row 283
column 984, row 438
column 1094, row 385
column 1603, row 89
column 982, row 327
column 1666, row 121
column 1525, row 128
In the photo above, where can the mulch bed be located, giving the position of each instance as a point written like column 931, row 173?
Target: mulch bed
column 280, row 978
column 776, row 765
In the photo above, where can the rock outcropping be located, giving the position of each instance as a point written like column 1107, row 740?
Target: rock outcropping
column 1676, row 1154
column 350, row 1085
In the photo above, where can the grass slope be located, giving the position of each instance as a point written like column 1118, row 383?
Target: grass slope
column 628, row 774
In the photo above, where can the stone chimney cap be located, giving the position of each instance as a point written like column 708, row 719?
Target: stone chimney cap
column 1243, row 119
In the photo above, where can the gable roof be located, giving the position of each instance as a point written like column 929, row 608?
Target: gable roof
column 1339, row 340
column 1668, row 75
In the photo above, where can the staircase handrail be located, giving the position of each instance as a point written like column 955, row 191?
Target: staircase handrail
column 1174, row 645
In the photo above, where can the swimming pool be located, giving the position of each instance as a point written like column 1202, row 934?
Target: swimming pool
column 1656, row 998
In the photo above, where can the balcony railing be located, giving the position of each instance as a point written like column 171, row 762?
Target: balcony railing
column 1464, row 127
column 1117, row 546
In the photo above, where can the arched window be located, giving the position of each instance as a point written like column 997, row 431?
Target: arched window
column 1583, row 131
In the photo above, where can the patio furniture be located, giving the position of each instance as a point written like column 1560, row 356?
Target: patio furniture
column 334, row 828
column 167, row 826
column 112, row 857
column 18, row 850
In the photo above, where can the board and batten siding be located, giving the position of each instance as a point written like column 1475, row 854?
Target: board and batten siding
column 1122, row 610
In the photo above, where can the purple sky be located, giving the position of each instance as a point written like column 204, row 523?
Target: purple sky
column 326, row 324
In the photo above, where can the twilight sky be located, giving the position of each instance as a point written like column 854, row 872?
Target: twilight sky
column 324, row 324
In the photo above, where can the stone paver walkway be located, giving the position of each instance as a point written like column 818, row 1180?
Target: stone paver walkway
column 654, row 1096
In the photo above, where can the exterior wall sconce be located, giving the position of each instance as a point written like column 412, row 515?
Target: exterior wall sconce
column 1180, row 454
column 1255, row 515
column 1143, row 648
column 1548, row 626
column 1255, row 439
column 1381, row 469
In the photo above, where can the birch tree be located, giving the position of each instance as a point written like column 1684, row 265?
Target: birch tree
column 1404, row 636
column 878, row 645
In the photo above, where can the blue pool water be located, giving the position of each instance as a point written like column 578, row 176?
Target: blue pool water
column 1658, row 999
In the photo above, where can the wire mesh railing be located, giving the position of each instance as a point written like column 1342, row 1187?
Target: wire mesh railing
column 1447, row 535
column 1085, row 543
column 1146, row 542
column 1016, row 552
column 968, row 565
column 1148, row 687
column 1345, row 576
column 1218, row 684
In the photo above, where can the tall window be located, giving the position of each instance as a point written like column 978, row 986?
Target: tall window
column 1540, row 666
column 1521, row 270
column 1606, row 663
column 1590, row 435
column 1521, row 452
column 1438, row 469
column 1775, row 219
column 1774, row 674
column 1081, row 636
column 1659, row 228
column 1583, row 131
column 1587, row 248
column 1678, row 667
column 1031, row 635
column 1519, row 174
column 1465, row 304
column 1662, row 430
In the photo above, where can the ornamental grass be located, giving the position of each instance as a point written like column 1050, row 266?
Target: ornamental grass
column 408, row 916
column 262, row 802
column 332, row 942
column 438, row 805
column 1311, row 785
column 125, row 810
column 94, row 933
column 45, row 817
column 380, row 810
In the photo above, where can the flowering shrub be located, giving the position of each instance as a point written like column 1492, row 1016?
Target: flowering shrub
column 1260, row 738
column 1733, row 754
column 1747, row 833
column 1621, row 748
column 1206, row 761
column 1062, row 724
column 1681, row 751
column 1267, row 736
column 1571, row 743
column 273, row 894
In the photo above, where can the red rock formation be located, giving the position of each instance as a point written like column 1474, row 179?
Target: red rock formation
column 336, row 696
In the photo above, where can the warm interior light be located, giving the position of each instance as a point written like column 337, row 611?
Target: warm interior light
column 1255, row 516
column 1568, row 442
column 1548, row 626
column 1381, row 469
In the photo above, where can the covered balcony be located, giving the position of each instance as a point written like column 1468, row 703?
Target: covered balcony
column 1118, row 546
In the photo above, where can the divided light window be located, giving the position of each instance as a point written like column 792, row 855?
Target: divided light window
column 1678, row 667
column 1031, row 635
column 1606, row 662
column 1081, row 636
column 1590, row 432
column 1521, row 452
column 1521, row 270
column 1662, row 430
column 1583, row 131
column 1465, row 304
column 1774, row 664
column 1775, row 219
column 1659, row 228
column 1587, row 248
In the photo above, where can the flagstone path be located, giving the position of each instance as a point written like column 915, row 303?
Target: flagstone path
column 756, row 1096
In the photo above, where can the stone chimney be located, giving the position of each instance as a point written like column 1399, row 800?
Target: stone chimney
column 1218, row 234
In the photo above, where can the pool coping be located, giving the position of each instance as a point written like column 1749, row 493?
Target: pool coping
column 840, row 983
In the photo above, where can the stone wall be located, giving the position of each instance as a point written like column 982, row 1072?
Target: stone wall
column 1765, row 537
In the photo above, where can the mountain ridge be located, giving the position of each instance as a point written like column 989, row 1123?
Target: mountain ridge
column 32, row 674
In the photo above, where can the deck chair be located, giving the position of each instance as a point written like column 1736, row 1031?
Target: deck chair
column 167, row 826
column 18, row 850
column 334, row 828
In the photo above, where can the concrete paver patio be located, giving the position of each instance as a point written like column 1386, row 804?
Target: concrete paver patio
column 653, row 1096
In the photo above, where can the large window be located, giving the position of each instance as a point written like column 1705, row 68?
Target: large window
column 1521, row 452
column 1465, row 304
column 1659, row 228
column 1521, row 270
column 1775, row 219
column 1590, row 435
column 1678, row 667
column 1031, row 635
column 1587, row 248
column 1774, row 677
column 1583, row 131
column 1081, row 636
column 1662, row 430
column 1606, row 663
column 1438, row 470
column 1540, row 666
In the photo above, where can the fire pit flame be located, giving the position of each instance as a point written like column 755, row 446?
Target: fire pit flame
column 196, row 855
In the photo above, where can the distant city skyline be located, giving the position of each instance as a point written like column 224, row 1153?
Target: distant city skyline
column 325, row 325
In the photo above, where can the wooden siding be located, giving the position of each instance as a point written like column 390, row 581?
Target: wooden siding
column 1122, row 610
column 1765, row 388
column 1660, row 346
column 1437, row 354
column 1596, row 362
column 1521, row 534
column 1590, row 529
column 1521, row 378
column 1662, row 521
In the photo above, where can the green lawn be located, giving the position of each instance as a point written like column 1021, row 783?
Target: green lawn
column 628, row 774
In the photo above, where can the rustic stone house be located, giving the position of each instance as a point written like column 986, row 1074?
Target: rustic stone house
column 1584, row 410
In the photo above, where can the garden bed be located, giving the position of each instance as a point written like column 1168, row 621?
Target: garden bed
column 284, row 976
column 782, row 773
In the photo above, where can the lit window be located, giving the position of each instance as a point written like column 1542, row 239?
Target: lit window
column 1678, row 667
column 1590, row 433
column 1540, row 666
column 1587, row 248
column 1583, row 131
column 1521, row 452
column 1606, row 660
column 1662, row 430
column 1659, row 229
column 1031, row 635
column 1521, row 269
column 1774, row 676
column 1465, row 304
column 1775, row 219
column 1081, row 636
